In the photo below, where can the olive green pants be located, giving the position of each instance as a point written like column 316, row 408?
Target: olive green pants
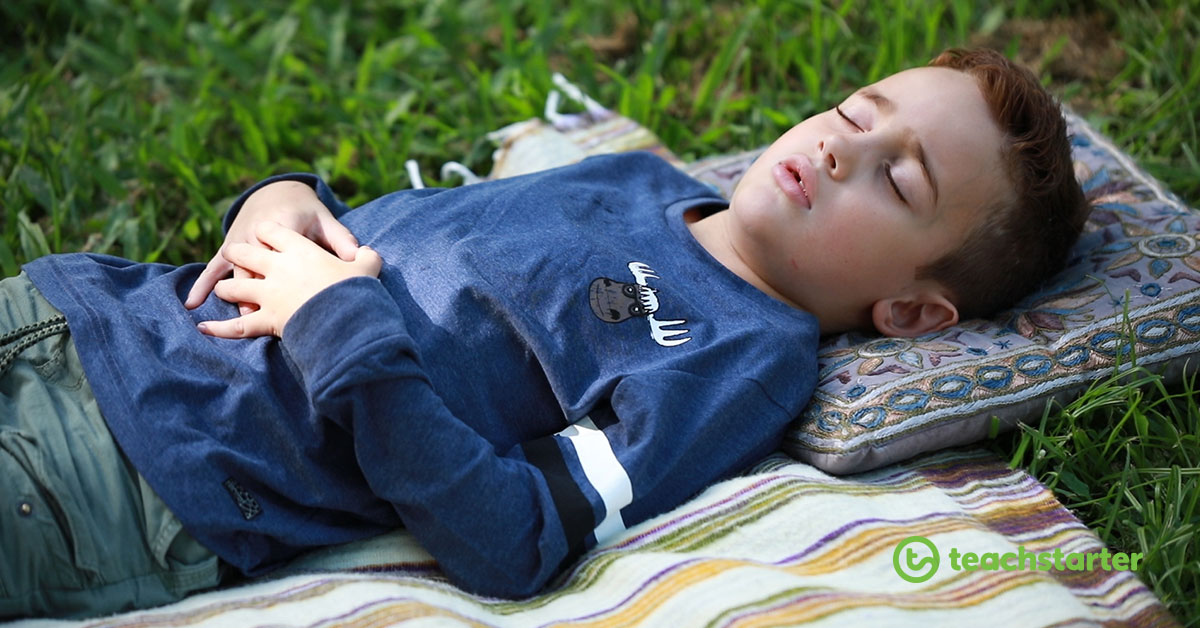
column 81, row 533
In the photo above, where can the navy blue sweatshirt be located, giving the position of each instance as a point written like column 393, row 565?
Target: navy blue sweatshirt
column 543, row 362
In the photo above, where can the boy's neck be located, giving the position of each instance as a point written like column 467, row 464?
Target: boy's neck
column 712, row 233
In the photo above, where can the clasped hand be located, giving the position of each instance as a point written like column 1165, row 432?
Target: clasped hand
column 276, row 268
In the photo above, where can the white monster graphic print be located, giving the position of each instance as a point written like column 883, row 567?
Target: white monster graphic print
column 615, row 301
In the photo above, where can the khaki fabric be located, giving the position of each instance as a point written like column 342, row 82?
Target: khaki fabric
column 81, row 533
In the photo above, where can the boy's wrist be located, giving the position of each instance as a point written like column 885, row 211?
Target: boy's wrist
column 287, row 191
column 310, row 181
column 337, row 324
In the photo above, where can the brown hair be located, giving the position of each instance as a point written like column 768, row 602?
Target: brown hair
column 1024, row 240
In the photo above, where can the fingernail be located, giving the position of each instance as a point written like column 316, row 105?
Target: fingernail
column 202, row 328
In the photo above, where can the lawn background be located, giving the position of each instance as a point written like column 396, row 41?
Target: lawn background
column 127, row 127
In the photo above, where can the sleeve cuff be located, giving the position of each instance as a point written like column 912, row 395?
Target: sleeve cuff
column 354, row 319
column 336, row 207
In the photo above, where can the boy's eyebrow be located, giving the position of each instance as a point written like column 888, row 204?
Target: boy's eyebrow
column 885, row 105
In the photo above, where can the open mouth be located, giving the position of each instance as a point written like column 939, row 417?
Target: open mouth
column 796, row 174
column 789, row 178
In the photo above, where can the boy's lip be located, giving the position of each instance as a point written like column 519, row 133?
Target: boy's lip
column 794, row 175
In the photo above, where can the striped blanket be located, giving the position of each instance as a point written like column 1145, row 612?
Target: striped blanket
column 783, row 544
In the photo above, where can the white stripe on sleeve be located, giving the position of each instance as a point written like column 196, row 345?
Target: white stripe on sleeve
column 605, row 473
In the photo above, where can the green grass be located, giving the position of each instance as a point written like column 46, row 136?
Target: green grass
column 1123, row 458
column 127, row 127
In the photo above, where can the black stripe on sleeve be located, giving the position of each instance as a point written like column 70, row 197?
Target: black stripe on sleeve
column 573, row 507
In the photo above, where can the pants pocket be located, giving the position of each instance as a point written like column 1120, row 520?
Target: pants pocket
column 37, row 532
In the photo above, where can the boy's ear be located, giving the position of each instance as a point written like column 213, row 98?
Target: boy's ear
column 914, row 315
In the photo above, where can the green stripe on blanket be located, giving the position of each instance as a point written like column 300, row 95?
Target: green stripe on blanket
column 784, row 544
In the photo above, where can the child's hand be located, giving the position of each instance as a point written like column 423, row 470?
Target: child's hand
column 290, row 203
column 286, row 275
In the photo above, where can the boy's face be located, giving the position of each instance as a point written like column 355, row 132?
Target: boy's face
column 843, row 209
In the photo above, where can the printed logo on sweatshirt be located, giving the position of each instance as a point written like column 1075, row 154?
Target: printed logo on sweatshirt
column 243, row 499
column 614, row 301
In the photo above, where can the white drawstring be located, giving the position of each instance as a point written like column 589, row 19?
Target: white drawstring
column 414, row 174
column 594, row 108
column 562, row 122
column 453, row 167
column 565, row 122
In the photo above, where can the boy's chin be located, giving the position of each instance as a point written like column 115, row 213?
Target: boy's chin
column 756, row 204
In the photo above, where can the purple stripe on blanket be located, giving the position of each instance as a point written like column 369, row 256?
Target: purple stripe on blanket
column 857, row 523
column 732, row 502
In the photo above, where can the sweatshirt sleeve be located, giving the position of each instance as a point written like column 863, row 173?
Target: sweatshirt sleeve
column 336, row 207
column 504, row 523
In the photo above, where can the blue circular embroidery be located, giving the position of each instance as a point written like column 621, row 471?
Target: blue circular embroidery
column 1034, row 365
column 994, row 377
column 830, row 421
column 856, row 392
column 952, row 386
column 884, row 347
column 1164, row 245
column 869, row 417
column 1189, row 318
column 1155, row 331
column 908, row 399
column 1111, row 343
column 1151, row 289
column 1073, row 355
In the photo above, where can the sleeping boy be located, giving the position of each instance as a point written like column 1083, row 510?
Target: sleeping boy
column 514, row 371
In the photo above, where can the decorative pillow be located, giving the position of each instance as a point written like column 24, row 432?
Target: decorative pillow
column 1131, row 292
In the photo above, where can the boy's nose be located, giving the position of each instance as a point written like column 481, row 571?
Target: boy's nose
column 828, row 151
column 827, row 157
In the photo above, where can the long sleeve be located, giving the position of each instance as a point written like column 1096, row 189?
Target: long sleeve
column 468, row 506
column 503, row 523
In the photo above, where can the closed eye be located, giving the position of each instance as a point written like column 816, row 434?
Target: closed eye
column 847, row 118
column 887, row 170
